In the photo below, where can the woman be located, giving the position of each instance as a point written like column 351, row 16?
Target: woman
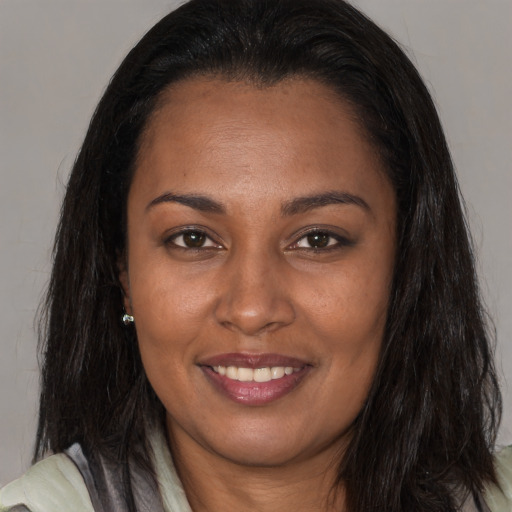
column 263, row 293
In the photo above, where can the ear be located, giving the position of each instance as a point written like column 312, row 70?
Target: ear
column 125, row 283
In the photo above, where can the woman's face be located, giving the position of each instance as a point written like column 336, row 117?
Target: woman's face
column 261, row 240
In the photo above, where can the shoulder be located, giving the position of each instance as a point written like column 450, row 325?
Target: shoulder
column 52, row 485
column 500, row 499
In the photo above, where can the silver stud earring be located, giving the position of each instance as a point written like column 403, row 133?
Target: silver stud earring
column 128, row 319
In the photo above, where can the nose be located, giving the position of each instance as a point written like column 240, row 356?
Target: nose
column 254, row 296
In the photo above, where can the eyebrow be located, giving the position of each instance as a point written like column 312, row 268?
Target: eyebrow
column 198, row 202
column 306, row 203
column 289, row 208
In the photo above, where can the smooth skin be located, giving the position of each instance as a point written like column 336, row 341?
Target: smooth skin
column 260, row 220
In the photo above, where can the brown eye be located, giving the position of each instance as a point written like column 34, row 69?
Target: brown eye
column 194, row 239
column 318, row 240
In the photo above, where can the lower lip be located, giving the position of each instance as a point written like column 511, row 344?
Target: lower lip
column 255, row 393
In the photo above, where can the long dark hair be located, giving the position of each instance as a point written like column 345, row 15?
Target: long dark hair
column 425, row 434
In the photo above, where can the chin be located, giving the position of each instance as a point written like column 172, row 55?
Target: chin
column 260, row 454
column 268, row 447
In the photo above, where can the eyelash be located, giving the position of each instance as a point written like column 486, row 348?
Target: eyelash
column 326, row 234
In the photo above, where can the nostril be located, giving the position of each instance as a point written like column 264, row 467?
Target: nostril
column 255, row 328
column 255, row 317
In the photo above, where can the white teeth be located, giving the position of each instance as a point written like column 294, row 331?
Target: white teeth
column 232, row 372
column 245, row 374
column 277, row 372
column 264, row 374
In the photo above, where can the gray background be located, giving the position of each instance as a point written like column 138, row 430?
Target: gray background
column 55, row 60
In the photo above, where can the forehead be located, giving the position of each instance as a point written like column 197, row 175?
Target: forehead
column 293, row 135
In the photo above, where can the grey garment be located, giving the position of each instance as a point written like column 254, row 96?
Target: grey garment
column 104, row 483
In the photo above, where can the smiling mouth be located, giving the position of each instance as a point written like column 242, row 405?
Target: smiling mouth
column 265, row 374
column 254, row 379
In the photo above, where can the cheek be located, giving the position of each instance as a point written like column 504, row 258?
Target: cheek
column 169, row 313
column 161, row 288
column 349, row 322
column 350, row 306
column 169, row 306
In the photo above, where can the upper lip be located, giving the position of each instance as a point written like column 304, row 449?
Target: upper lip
column 254, row 361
